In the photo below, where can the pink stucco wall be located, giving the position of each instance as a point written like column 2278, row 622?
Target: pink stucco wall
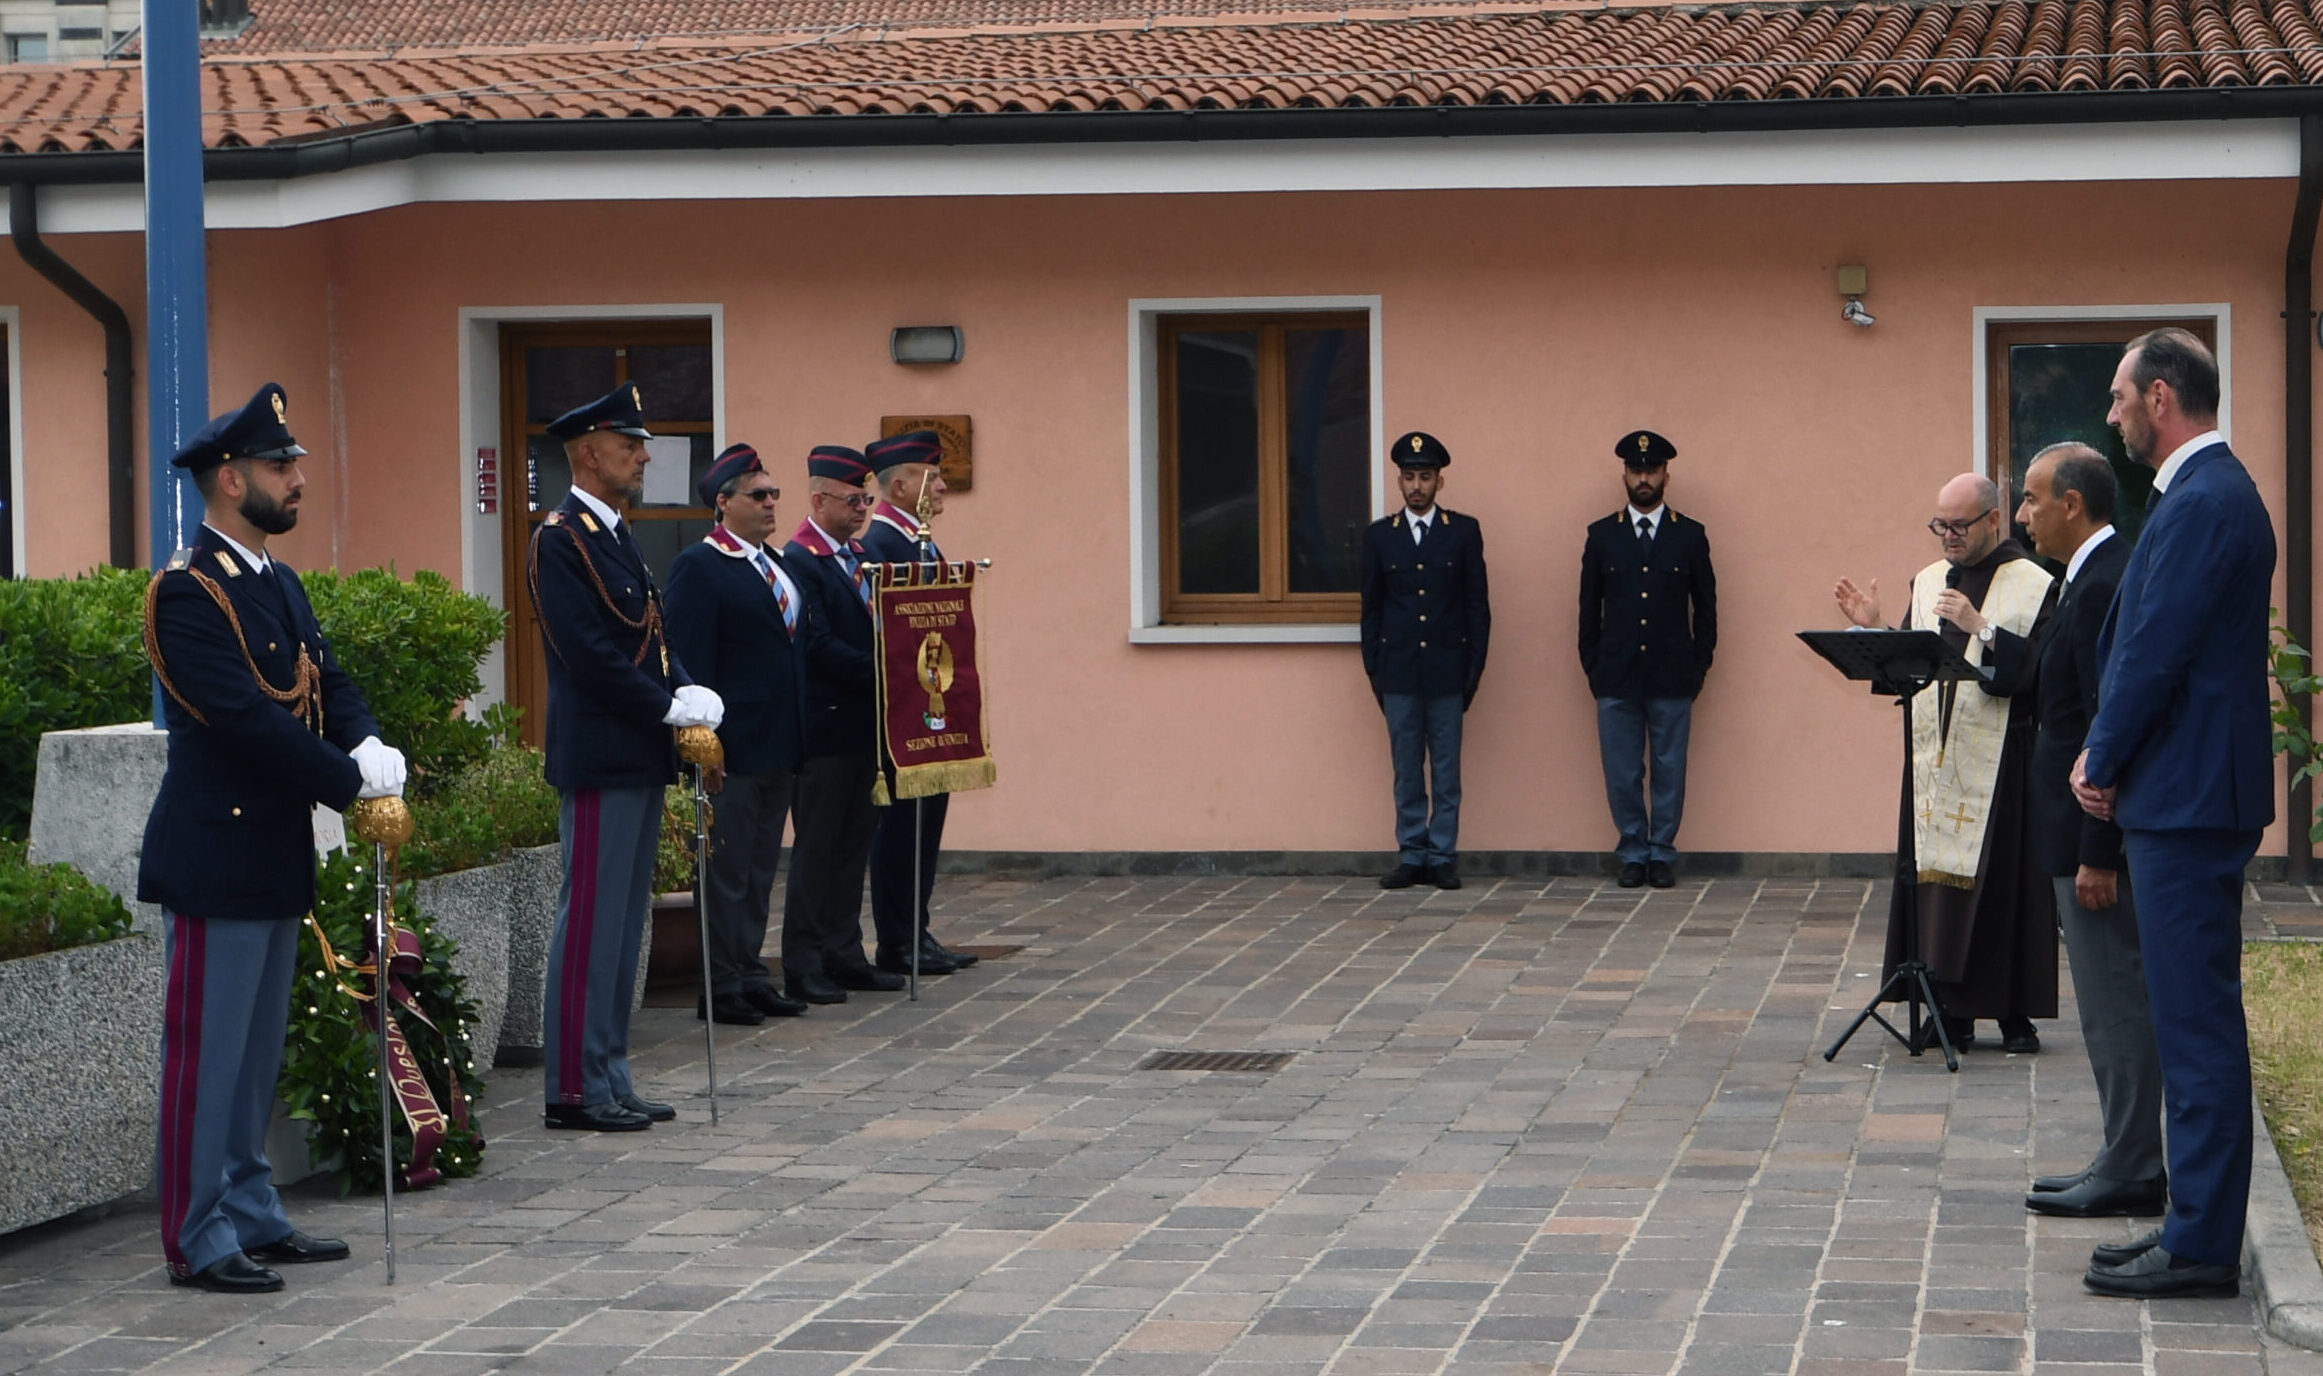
column 1526, row 329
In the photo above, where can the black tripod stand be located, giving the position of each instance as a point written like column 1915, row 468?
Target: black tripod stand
column 1899, row 664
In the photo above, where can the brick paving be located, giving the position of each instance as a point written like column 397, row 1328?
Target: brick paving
column 1528, row 1128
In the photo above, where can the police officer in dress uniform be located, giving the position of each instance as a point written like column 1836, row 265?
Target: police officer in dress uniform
column 734, row 622
column 906, row 466
column 1648, row 564
column 263, row 726
column 1426, row 620
column 832, row 815
column 614, row 692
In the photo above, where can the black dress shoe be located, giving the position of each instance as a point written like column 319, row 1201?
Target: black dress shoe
column 930, row 946
column 2097, row 1197
column 763, row 998
column 732, row 1009
column 232, row 1274
column 295, row 1247
column 866, row 978
column 2156, row 1275
column 897, row 960
column 2019, row 1037
column 1632, row 875
column 605, row 1117
column 813, row 989
column 1444, row 876
column 1662, row 874
column 654, row 1113
column 2052, row 1184
column 2107, row 1254
column 1403, row 876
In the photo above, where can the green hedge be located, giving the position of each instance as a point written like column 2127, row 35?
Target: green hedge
column 50, row 907
column 72, row 654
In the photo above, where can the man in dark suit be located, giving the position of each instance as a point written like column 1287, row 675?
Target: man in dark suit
column 1648, row 563
column 911, row 834
column 2068, row 511
column 2181, row 755
column 1427, row 620
column 734, row 621
column 614, row 692
column 832, row 814
column 263, row 725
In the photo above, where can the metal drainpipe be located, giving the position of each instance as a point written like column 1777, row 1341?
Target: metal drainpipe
column 2299, row 454
column 120, row 372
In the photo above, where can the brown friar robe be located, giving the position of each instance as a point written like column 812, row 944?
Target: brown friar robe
column 1990, row 947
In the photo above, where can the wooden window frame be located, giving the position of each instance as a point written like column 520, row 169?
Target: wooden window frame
column 2002, row 335
column 1274, row 603
column 518, row 430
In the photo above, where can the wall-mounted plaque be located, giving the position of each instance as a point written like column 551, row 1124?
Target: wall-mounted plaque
column 955, row 431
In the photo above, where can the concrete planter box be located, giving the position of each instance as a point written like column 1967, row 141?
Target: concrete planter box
column 80, row 1077
column 474, row 908
column 532, row 916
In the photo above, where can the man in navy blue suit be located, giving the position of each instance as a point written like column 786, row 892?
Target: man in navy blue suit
column 2181, row 755
column 263, row 725
column 911, row 834
column 735, row 616
column 614, row 690
column 832, row 814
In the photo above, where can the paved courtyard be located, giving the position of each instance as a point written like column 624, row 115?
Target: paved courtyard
column 1526, row 1127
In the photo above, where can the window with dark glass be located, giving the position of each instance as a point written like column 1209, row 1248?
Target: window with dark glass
column 1266, row 466
column 2050, row 382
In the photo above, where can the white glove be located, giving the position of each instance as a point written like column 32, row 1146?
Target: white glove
column 694, row 705
column 382, row 766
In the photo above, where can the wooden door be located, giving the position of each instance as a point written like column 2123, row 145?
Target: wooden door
column 546, row 370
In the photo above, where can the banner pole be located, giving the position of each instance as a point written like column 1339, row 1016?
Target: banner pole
column 382, row 896
column 919, row 931
column 702, row 923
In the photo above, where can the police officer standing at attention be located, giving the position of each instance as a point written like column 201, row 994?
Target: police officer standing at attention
column 734, row 621
column 906, row 468
column 263, row 725
column 614, row 692
column 1426, row 620
column 1648, row 564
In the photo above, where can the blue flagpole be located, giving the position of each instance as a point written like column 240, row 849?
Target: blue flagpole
column 177, row 361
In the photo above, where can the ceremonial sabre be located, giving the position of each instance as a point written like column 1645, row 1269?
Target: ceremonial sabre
column 386, row 824
column 700, row 747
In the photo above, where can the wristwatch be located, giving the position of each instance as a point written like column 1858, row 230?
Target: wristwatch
column 1984, row 633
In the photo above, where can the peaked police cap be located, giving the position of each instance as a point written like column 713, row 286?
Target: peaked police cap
column 1420, row 450
column 621, row 410
column 1644, row 449
column 259, row 430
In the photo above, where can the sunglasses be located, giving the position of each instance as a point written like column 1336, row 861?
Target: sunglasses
column 858, row 501
column 762, row 494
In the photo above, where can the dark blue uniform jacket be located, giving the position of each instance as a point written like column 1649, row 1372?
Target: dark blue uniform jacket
column 1427, row 614
column 842, row 716
column 726, row 628
column 2058, row 665
column 610, row 674
column 1648, row 625
column 230, row 835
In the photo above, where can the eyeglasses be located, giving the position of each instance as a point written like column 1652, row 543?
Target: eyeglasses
column 762, row 494
column 1956, row 529
column 857, row 502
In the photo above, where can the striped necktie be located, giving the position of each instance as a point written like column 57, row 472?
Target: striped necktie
column 854, row 567
column 790, row 616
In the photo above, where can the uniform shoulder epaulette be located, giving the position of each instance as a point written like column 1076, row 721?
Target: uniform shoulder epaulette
column 181, row 560
column 589, row 521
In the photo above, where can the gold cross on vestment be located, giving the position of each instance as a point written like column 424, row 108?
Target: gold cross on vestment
column 1959, row 816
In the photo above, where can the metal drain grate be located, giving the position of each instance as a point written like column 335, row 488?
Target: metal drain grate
column 1216, row 1060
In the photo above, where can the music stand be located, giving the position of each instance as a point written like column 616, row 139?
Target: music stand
column 1899, row 664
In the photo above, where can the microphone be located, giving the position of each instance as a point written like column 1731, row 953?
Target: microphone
column 1952, row 576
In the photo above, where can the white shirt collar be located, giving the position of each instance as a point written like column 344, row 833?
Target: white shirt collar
column 836, row 544
column 2081, row 555
column 608, row 515
column 2178, row 457
column 257, row 562
column 1652, row 518
column 1421, row 518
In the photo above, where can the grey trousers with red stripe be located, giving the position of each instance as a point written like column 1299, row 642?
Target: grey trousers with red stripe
column 608, row 836
column 224, row 1013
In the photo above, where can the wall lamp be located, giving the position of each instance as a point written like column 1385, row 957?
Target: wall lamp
column 925, row 344
column 1853, row 282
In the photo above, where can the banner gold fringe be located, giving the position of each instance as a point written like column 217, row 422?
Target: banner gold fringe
column 928, row 780
column 1949, row 881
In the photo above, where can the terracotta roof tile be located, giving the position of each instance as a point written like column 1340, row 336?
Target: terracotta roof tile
column 1542, row 56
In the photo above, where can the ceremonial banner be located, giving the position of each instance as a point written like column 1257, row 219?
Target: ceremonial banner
column 933, row 736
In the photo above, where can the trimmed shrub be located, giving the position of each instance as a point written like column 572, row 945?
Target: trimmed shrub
column 51, row 907
column 72, row 655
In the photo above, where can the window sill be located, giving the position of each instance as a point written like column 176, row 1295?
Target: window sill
column 1285, row 633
